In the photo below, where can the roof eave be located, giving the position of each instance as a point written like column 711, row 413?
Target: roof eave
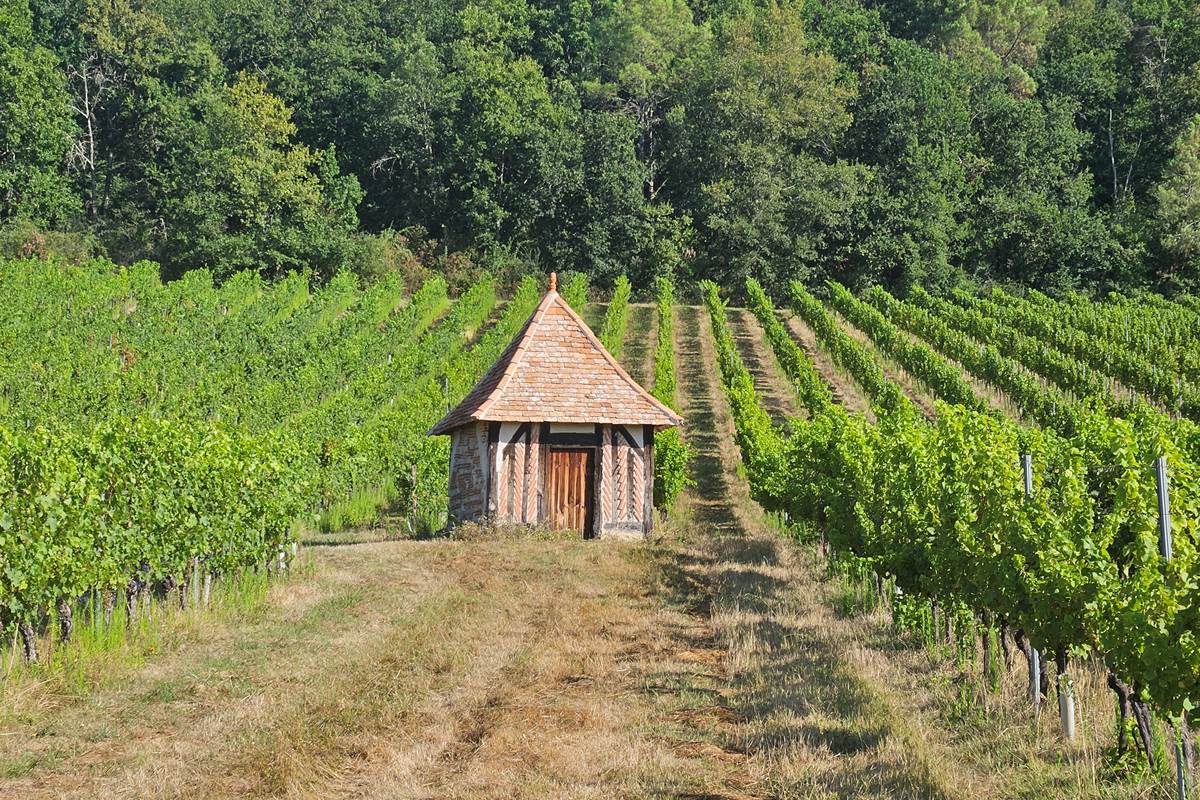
column 447, row 426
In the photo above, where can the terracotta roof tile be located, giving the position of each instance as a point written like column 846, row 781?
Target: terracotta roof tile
column 556, row 370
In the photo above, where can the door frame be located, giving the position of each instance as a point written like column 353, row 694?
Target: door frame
column 589, row 491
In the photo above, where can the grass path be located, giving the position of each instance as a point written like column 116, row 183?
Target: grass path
column 908, row 383
column 846, row 391
column 399, row 669
column 993, row 396
column 593, row 315
column 822, row 705
column 778, row 399
column 640, row 339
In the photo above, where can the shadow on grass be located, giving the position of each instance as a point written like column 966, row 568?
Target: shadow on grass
column 787, row 689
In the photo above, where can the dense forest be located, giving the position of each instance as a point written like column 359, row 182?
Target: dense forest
column 1053, row 143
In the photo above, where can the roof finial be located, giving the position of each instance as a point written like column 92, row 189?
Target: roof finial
column 554, row 281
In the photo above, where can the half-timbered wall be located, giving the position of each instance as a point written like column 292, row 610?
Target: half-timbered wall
column 497, row 470
column 626, row 480
column 516, row 476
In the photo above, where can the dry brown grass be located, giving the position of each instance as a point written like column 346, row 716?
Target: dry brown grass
column 496, row 668
column 916, row 391
column 774, row 390
column 489, row 531
column 845, row 389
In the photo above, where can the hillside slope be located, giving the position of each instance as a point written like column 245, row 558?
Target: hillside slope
column 715, row 662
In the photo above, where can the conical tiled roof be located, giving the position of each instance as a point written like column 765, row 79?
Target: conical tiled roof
column 556, row 370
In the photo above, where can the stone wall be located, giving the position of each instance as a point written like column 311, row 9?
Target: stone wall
column 468, row 472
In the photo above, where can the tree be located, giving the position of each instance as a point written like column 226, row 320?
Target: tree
column 1178, row 210
column 243, row 195
column 655, row 49
column 757, row 167
column 1033, row 221
column 605, row 225
column 912, row 125
column 512, row 138
column 907, row 141
column 36, row 131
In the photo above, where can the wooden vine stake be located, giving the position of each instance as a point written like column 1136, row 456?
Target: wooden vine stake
column 1164, row 545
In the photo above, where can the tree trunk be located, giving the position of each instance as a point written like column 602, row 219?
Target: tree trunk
column 1026, row 650
column 132, row 593
column 1132, row 704
column 207, row 593
column 194, row 583
column 1006, row 646
column 1126, row 706
column 29, row 641
column 1021, row 642
column 1145, row 725
column 66, row 621
column 935, row 612
column 110, row 602
column 986, row 621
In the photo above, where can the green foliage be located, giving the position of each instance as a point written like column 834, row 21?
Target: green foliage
column 1178, row 198
column 672, row 455
column 612, row 332
column 810, row 387
column 760, row 443
column 939, row 376
column 940, row 508
column 252, row 198
column 138, row 499
column 36, row 129
column 1046, row 405
column 575, row 290
column 769, row 199
column 904, row 143
column 847, row 353
column 1113, row 344
column 149, row 423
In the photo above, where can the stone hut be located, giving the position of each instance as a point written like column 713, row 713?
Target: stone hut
column 557, row 433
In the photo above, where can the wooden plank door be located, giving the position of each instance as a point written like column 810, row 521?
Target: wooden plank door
column 569, row 477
